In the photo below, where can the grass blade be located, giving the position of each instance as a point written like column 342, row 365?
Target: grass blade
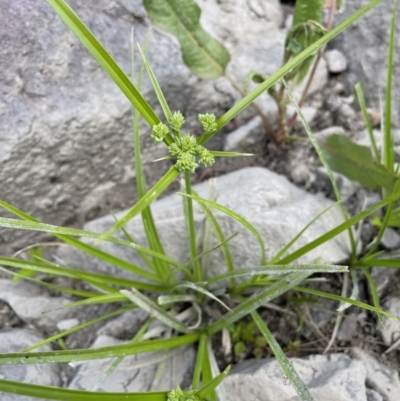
column 363, row 107
column 89, row 354
column 154, row 310
column 145, row 201
column 105, row 60
column 234, row 216
column 388, row 149
column 286, row 366
column 199, row 361
column 58, row 394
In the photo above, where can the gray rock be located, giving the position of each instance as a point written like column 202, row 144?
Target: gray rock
column 391, row 330
column 390, row 239
column 276, row 208
column 28, row 302
column 129, row 376
column 46, row 374
column 329, row 377
column 373, row 395
column 362, row 46
column 65, row 128
column 67, row 324
column 329, row 131
column 335, row 61
column 384, row 380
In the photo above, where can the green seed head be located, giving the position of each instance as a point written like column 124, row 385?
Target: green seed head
column 186, row 162
column 208, row 122
column 175, row 149
column 176, row 121
column 159, row 132
column 206, row 157
column 188, row 143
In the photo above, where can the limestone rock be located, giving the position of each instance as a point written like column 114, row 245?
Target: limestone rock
column 333, row 377
column 391, row 330
column 134, row 374
column 45, row 374
column 276, row 208
column 65, row 128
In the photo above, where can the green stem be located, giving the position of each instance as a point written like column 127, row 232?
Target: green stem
column 191, row 228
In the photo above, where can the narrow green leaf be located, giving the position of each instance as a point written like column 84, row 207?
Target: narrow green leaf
column 254, row 302
column 214, row 383
column 156, row 86
column 388, row 149
column 363, row 107
column 58, row 394
column 234, row 216
column 144, row 201
column 278, row 270
column 344, row 300
column 372, row 288
column 286, row 366
column 229, row 154
column 154, row 310
column 355, row 162
column 248, row 99
column 78, row 327
column 76, row 355
column 205, row 56
column 105, row 60
column 199, row 361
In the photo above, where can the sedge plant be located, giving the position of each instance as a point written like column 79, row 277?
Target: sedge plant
column 173, row 293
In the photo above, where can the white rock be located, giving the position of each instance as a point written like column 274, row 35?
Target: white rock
column 390, row 239
column 333, row 377
column 276, row 208
column 382, row 379
column 329, row 131
column 130, row 378
column 28, row 302
column 391, row 329
column 44, row 374
column 336, row 61
column 67, row 324
column 319, row 81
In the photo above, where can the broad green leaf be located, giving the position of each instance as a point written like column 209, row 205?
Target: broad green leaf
column 268, row 83
column 60, row 394
column 204, row 55
column 105, row 60
column 355, row 162
column 88, row 354
column 307, row 10
column 254, row 302
column 286, row 366
column 154, row 310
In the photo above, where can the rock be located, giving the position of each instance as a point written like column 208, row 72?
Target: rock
column 390, row 239
column 335, row 61
column 245, row 136
column 308, row 112
column 382, row 379
column 300, row 174
column 329, row 377
column 373, row 395
column 46, row 374
column 391, row 328
column 362, row 46
column 382, row 276
column 348, row 328
column 127, row 378
column 65, row 147
column 28, row 302
column 319, row 81
column 67, row 324
column 125, row 325
column 276, row 208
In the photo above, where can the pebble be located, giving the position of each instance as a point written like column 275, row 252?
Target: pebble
column 336, row 61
